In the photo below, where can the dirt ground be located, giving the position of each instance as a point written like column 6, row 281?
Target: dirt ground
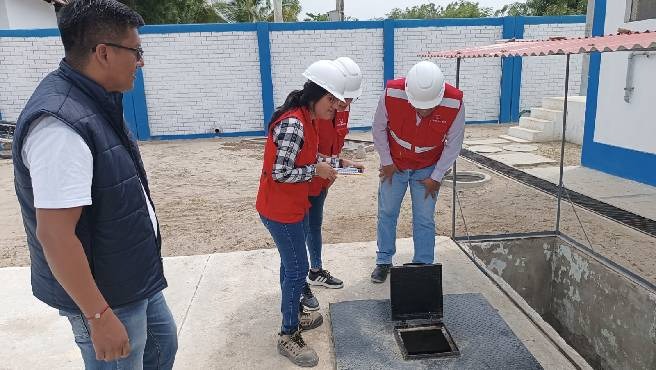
column 204, row 192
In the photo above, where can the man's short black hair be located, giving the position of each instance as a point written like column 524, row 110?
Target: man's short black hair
column 85, row 23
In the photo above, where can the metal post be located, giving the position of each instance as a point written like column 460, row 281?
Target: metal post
column 562, row 145
column 277, row 11
column 453, row 207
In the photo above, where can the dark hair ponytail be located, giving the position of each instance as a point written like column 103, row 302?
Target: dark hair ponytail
column 310, row 94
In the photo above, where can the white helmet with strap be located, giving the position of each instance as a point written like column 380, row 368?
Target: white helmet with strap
column 425, row 85
column 328, row 75
column 353, row 77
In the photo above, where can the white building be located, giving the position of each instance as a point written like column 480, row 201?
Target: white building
column 24, row 14
column 620, row 128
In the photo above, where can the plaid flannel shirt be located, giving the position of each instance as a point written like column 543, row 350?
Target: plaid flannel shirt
column 288, row 137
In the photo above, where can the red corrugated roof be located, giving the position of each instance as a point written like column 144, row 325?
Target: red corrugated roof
column 555, row 46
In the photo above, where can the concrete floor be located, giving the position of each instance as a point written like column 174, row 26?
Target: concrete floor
column 227, row 309
column 622, row 193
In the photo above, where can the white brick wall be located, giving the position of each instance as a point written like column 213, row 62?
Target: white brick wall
column 24, row 62
column 198, row 82
column 293, row 51
column 545, row 76
column 201, row 81
column 479, row 78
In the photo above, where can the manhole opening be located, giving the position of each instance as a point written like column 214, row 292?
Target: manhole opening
column 467, row 178
column 425, row 341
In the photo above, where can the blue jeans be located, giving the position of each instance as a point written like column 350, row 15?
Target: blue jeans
column 390, row 197
column 151, row 329
column 290, row 240
column 313, row 220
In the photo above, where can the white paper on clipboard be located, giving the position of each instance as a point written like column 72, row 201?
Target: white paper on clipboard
column 348, row 171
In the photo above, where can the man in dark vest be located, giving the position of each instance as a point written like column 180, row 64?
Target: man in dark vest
column 418, row 131
column 92, row 232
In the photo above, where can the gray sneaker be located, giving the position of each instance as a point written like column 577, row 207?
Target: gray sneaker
column 309, row 320
column 294, row 348
column 308, row 300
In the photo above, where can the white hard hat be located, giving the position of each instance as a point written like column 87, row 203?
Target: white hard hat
column 353, row 77
column 328, row 75
column 424, row 85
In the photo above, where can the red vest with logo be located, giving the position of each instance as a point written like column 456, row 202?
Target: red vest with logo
column 414, row 146
column 332, row 134
column 287, row 202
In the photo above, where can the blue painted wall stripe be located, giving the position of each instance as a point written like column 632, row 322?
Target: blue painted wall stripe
column 45, row 32
column 388, row 51
column 594, row 66
column 507, row 73
column 207, row 135
column 128, row 112
column 517, row 74
column 264, row 48
column 141, row 107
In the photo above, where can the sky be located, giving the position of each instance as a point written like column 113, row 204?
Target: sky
column 368, row 9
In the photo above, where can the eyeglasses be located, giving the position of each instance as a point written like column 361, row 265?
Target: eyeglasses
column 138, row 52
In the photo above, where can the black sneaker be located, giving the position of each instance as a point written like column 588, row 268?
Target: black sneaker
column 308, row 320
column 308, row 300
column 323, row 278
column 380, row 273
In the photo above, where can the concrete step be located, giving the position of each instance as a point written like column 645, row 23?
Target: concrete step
column 537, row 124
column 553, row 115
column 514, row 139
column 528, row 134
column 556, row 103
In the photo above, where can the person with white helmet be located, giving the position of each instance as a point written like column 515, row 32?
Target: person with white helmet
column 418, row 131
column 290, row 162
column 332, row 133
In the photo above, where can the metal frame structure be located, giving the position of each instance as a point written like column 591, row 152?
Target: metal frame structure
column 628, row 41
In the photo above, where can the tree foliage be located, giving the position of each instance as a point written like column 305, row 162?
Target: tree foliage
column 256, row 10
column 472, row 9
column 544, row 7
column 456, row 9
column 174, row 11
column 200, row 11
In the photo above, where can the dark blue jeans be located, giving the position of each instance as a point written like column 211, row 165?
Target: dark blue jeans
column 313, row 221
column 290, row 240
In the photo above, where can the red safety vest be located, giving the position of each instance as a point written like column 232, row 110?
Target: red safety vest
column 415, row 146
column 287, row 202
column 332, row 134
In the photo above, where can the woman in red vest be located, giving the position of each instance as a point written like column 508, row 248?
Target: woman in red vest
column 290, row 163
column 331, row 141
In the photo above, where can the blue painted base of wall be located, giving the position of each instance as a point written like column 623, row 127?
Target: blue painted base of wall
column 206, row 136
column 261, row 133
column 622, row 162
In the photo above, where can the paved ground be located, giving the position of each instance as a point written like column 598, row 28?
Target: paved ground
column 227, row 309
column 622, row 193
